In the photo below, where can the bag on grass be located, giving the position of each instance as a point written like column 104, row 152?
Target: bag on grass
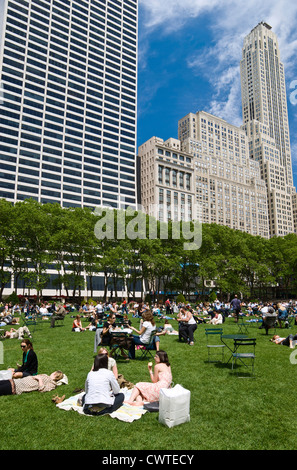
column 122, row 341
column 152, row 407
column 174, row 406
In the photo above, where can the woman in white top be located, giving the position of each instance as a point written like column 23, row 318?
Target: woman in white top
column 102, row 389
column 147, row 328
column 217, row 319
column 43, row 310
column 187, row 326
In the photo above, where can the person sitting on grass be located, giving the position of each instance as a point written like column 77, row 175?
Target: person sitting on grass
column 102, row 389
column 77, row 324
column 30, row 362
column 112, row 365
column 161, row 378
column 168, row 329
column 43, row 311
column 217, row 319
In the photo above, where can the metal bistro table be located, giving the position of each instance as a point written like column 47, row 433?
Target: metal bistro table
column 225, row 338
column 120, row 340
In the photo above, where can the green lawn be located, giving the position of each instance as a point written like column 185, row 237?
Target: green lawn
column 227, row 412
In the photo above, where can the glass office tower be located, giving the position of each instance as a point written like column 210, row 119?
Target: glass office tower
column 68, row 71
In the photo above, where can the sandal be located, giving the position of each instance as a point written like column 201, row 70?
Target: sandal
column 58, row 399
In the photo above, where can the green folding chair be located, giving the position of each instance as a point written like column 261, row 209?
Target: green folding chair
column 146, row 350
column 215, row 347
column 31, row 323
column 242, row 325
column 246, row 359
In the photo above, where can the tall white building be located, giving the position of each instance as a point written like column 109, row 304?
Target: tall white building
column 68, row 71
column 206, row 175
column 265, row 121
column 227, row 183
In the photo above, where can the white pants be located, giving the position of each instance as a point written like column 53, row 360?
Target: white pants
column 19, row 334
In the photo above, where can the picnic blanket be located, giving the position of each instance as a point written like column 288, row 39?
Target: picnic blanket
column 125, row 413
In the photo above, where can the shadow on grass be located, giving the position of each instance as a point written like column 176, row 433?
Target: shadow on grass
column 236, row 371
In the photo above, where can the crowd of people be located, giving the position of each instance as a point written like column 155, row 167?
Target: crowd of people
column 103, row 382
column 102, row 387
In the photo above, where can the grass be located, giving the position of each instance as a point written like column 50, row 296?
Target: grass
column 227, row 412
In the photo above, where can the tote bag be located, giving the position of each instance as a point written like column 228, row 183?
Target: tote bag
column 174, row 406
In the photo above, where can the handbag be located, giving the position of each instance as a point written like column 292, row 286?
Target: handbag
column 152, row 406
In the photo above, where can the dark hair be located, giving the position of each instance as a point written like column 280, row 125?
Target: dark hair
column 100, row 362
column 28, row 343
column 163, row 357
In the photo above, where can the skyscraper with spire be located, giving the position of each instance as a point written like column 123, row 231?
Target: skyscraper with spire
column 265, row 120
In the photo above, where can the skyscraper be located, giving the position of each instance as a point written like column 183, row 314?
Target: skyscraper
column 265, row 118
column 68, row 71
column 206, row 174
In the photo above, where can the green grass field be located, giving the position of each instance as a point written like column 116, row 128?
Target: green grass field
column 227, row 412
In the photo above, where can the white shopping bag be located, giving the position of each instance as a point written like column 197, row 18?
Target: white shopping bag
column 5, row 374
column 174, row 406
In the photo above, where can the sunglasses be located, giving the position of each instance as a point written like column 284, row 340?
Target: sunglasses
column 23, row 345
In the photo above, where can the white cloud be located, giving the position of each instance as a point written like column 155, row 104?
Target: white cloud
column 230, row 22
column 173, row 14
column 226, row 102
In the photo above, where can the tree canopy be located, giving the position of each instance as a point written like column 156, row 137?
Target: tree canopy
column 137, row 255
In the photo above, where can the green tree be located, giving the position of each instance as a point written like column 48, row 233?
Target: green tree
column 6, row 221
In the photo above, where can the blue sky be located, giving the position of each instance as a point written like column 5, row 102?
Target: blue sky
column 189, row 55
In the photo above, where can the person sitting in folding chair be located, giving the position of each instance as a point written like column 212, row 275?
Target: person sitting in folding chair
column 148, row 326
column 282, row 314
column 59, row 315
column 187, row 326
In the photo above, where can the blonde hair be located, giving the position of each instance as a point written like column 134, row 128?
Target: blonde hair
column 103, row 351
column 59, row 375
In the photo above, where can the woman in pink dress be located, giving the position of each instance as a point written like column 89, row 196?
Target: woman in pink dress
column 161, row 378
